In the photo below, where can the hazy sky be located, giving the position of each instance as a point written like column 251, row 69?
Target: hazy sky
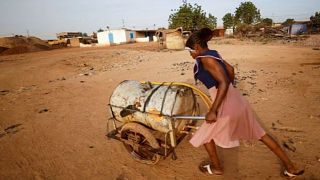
column 44, row 18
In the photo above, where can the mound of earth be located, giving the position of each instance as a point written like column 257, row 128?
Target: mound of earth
column 313, row 40
column 21, row 44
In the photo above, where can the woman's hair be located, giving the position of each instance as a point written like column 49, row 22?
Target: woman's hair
column 200, row 37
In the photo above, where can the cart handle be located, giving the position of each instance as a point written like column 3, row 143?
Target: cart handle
column 190, row 117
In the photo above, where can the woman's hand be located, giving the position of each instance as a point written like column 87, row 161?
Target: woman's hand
column 211, row 116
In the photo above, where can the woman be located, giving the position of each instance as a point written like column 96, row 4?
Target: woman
column 230, row 117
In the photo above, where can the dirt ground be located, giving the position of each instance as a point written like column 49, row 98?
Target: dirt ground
column 53, row 111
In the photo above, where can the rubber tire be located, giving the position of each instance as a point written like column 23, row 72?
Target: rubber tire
column 145, row 132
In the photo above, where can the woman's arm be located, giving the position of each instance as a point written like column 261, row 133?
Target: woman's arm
column 230, row 71
column 216, row 70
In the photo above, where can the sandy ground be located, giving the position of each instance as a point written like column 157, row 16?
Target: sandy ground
column 53, row 111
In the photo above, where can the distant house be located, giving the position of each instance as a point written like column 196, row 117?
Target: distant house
column 75, row 42
column 64, row 38
column 120, row 36
column 69, row 35
column 218, row 32
column 145, row 35
column 229, row 32
column 171, row 38
column 275, row 25
column 299, row 27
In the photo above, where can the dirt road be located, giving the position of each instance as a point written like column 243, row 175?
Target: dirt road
column 53, row 111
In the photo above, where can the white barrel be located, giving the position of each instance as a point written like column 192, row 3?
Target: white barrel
column 152, row 105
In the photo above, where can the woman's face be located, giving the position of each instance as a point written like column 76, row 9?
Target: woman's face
column 195, row 51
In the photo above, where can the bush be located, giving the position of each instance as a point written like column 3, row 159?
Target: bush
column 243, row 29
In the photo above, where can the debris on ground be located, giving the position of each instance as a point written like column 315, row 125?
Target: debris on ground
column 289, row 145
column 43, row 110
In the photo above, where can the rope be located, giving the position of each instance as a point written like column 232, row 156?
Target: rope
column 164, row 98
column 149, row 97
column 202, row 95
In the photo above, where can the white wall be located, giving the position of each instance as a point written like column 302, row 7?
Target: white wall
column 145, row 39
column 119, row 36
column 228, row 32
column 155, row 38
column 103, row 38
column 129, row 39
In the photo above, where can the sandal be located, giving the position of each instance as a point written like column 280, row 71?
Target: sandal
column 286, row 173
column 206, row 168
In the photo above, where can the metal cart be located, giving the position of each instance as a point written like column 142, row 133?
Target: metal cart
column 151, row 119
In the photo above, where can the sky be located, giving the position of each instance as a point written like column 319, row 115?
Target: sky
column 45, row 18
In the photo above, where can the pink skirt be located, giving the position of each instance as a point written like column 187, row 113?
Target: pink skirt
column 235, row 121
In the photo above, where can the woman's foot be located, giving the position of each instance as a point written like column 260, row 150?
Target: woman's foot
column 208, row 169
column 293, row 171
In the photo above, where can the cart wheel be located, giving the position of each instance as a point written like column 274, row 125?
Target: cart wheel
column 140, row 142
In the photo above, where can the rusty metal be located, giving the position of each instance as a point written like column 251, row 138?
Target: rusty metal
column 170, row 110
column 189, row 117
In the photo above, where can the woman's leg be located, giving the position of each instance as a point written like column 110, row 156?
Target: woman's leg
column 212, row 151
column 275, row 147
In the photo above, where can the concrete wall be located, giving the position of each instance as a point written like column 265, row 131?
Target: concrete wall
column 174, row 40
column 145, row 36
column 75, row 42
column 145, row 39
column 298, row 29
column 218, row 32
column 119, row 37
column 130, row 36
column 140, row 34
column 103, row 38
column 228, row 32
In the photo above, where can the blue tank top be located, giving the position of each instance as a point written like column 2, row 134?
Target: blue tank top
column 201, row 74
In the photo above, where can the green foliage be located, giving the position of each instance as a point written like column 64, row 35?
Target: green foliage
column 267, row 22
column 288, row 22
column 100, row 30
column 247, row 13
column 243, row 29
column 228, row 21
column 211, row 21
column 315, row 20
column 191, row 18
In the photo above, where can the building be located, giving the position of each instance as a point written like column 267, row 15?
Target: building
column 75, row 42
column 218, row 32
column 113, row 37
column 276, row 25
column 69, row 35
column 229, row 32
column 298, row 28
column 145, row 35
column 171, row 38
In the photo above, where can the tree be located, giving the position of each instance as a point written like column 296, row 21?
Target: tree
column 247, row 13
column 191, row 18
column 267, row 22
column 288, row 22
column 228, row 21
column 100, row 30
column 315, row 20
column 211, row 21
